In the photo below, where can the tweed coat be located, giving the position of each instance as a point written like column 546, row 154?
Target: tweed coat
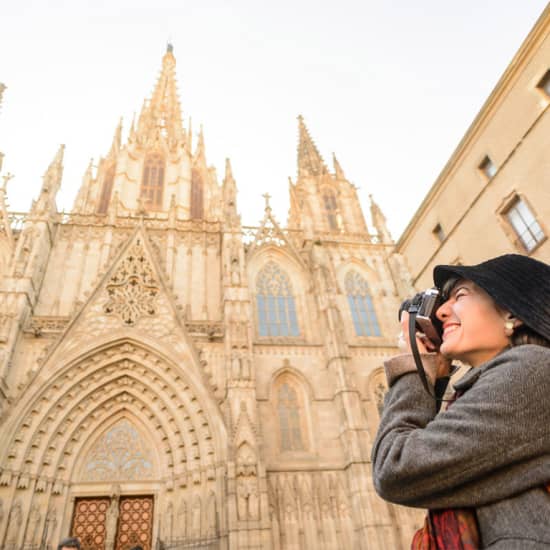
column 489, row 451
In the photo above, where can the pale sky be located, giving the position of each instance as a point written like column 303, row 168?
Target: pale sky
column 389, row 86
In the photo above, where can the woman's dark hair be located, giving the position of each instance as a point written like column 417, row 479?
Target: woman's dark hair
column 522, row 334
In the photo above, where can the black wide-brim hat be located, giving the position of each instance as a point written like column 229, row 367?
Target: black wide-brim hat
column 516, row 283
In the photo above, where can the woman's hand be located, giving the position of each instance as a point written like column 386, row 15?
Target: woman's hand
column 425, row 345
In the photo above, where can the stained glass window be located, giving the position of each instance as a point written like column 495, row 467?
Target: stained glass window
column 106, row 190
column 361, row 306
column 275, row 303
column 152, row 182
column 289, row 419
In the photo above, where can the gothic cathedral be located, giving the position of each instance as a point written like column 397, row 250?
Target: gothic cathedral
column 171, row 378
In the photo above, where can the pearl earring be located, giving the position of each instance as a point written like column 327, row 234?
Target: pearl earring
column 509, row 328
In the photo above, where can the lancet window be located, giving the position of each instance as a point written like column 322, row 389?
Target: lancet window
column 288, row 409
column 275, row 303
column 361, row 306
column 197, row 195
column 331, row 209
column 106, row 190
column 152, row 183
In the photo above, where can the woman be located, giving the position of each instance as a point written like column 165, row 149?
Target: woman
column 488, row 452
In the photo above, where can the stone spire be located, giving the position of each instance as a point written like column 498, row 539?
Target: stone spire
column 160, row 118
column 117, row 139
column 338, row 172
column 230, row 195
column 200, row 149
column 310, row 162
column 51, row 181
column 379, row 222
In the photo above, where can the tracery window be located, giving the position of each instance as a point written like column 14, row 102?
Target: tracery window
column 197, row 195
column 331, row 209
column 106, row 190
column 275, row 303
column 361, row 306
column 152, row 182
column 288, row 408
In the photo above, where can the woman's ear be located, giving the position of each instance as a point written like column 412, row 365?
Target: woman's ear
column 510, row 318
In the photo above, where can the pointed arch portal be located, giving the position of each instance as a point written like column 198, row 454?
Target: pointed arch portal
column 117, row 426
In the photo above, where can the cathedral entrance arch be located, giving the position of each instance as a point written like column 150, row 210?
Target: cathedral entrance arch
column 122, row 420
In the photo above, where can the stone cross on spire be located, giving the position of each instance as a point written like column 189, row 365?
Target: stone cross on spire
column 267, row 196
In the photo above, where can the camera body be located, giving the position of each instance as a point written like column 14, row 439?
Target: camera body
column 425, row 305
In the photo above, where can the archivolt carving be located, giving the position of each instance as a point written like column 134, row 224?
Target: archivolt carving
column 133, row 288
column 69, row 409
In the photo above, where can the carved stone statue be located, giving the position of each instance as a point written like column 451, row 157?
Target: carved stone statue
column 34, row 523
column 14, row 525
column 112, row 520
column 182, row 519
column 247, row 498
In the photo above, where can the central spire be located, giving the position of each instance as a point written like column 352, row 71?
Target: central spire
column 310, row 162
column 160, row 118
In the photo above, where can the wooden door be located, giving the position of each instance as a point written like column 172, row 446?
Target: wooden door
column 89, row 519
column 134, row 526
column 135, row 523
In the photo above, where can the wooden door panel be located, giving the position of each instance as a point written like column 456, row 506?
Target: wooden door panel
column 89, row 522
column 135, row 523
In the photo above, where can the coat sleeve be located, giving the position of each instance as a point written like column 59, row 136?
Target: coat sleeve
column 493, row 443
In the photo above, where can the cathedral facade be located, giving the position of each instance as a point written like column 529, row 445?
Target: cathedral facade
column 173, row 379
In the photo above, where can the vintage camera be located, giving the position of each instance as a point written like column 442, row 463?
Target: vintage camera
column 424, row 305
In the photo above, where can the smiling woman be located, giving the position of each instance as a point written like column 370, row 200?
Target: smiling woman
column 483, row 465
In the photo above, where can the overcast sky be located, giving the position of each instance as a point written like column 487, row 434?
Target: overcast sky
column 389, row 86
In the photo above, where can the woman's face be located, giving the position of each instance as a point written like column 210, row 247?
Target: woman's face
column 473, row 325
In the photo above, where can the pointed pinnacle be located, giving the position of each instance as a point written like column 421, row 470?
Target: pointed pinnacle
column 337, row 168
column 310, row 161
column 228, row 170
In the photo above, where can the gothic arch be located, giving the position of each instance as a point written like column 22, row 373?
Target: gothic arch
column 143, row 460
column 331, row 207
column 52, row 428
column 153, row 180
column 358, row 298
column 290, row 396
column 297, row 279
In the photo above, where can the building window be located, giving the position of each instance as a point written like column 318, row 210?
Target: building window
column 524, row 223
column 488, row 167
column 331, row 209
column 361, row 306
column 197, row 195
column 275, row 303
column 544, row 84
column 153, row 181
column 106, row 190
column 439, row 233
column 288, row 409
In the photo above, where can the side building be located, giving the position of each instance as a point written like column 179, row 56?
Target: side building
column 493, row 196
column 173, row 379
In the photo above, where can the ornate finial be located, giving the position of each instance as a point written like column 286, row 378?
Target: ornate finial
column 267, row 196
column 7, row 177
